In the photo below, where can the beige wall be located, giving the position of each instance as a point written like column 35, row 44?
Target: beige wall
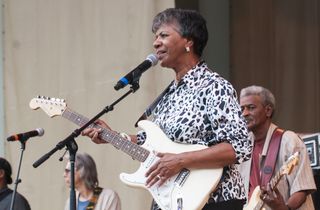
column 76, row 50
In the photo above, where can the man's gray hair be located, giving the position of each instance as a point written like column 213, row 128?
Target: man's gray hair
column 88, row 170
column 266, row 96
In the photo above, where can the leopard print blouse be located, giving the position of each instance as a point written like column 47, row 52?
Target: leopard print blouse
column 203, row 109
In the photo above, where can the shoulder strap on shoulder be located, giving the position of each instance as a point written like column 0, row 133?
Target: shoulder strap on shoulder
column 272, row 155
column 94, row 198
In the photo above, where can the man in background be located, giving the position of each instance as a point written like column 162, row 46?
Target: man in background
column 293, row 190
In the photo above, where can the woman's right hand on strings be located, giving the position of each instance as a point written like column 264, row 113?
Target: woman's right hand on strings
column 93, row 133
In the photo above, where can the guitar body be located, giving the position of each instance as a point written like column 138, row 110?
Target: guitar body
column 254, row 201
column 191, row 187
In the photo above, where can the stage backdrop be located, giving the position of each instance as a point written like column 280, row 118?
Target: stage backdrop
column 276, row 44
column 76, row 50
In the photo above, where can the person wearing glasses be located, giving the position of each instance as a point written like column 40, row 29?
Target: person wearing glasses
column 88, row 193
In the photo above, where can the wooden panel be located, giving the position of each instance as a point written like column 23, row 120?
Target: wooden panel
column 275, row 44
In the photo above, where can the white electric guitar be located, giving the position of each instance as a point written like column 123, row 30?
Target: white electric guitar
column 255, row 203
column 187, row 190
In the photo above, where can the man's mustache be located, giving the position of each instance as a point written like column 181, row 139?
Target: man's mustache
column 247, row 119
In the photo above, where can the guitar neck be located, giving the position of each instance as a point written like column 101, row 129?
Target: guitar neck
column 135, row 151
column 275, row 180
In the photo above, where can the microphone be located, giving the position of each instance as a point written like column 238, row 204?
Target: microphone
column 25, row 136
column 135, row 74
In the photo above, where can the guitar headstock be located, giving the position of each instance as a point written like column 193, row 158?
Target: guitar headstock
column 292, row 161
column 51, row 106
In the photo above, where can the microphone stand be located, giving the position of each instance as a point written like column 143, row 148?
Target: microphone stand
column 18, row 180
column 72, row 146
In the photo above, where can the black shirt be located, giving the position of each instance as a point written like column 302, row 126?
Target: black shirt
column 20, row 202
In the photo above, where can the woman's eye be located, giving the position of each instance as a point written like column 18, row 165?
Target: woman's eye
column 163, row 35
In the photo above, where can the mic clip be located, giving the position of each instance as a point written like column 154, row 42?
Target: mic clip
column 135, row 84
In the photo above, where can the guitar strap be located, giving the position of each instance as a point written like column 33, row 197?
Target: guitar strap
column 94, row 198
column 271, row 158
column 153, row 105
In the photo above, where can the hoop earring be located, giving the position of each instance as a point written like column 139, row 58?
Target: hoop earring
column 187, row 49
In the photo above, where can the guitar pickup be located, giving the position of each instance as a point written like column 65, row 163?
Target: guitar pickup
column 182, row 177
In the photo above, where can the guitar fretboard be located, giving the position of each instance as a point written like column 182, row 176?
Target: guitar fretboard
column 135, row 151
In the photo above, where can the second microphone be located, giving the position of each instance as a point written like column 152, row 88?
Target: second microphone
column 25, row 136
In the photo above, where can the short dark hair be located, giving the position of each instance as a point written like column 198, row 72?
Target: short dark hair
column 6, row 167
column 88, row 170
column 190, row 25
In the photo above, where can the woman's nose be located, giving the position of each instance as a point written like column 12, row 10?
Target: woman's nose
column 156, row 44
